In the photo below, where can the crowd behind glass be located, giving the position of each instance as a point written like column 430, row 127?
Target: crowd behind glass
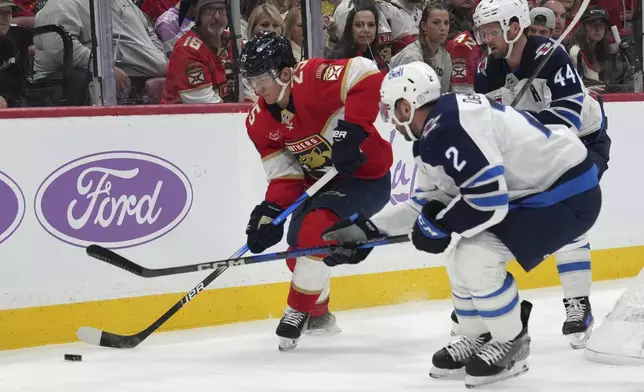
column 179, row 52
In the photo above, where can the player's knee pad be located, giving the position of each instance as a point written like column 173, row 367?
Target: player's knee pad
column 480, row 262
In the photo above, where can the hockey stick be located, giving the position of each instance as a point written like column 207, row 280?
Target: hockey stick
column 117, row 260
column 552, row 49
column 106, row 339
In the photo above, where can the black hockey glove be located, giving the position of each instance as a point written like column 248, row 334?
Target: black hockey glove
column 261, row 233
column 350, row 230
column 346, row 154
column 428, row 235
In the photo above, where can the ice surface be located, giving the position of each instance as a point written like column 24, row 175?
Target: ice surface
column 381, row 349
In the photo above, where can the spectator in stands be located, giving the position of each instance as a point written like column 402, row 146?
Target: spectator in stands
column 559, row 10
column 590, row 44
column 294, row 31
column 246, row 8
column 460, row 13
column 138, row 53
column 264, row 18
column 197, row 67
column 392, row 27
column 620, row 13
column 28, row 7
column 175, row 22
column 154, row 8
column 433, row 28
column 12, row 74
column 410, row 12
column 359, row 37
column 591, row 55
column 543, row 22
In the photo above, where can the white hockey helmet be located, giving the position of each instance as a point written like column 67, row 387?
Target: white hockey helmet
column 416, row 82
column 502, row 11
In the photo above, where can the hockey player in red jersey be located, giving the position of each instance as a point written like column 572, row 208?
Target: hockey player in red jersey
column 466, row 55
column 196, row 71
column 310, row 117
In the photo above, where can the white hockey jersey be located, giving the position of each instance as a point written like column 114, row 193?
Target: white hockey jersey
column 482, row 159
column 557, row 95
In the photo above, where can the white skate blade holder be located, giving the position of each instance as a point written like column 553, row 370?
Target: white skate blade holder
column 447, row 374
column 578, row 340
column 287, row 344
column 333, row 330
column 518, row 369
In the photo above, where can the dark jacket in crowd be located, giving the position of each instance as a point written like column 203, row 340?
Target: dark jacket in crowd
column 11, row 72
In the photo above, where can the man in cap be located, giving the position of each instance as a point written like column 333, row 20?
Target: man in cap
column 543, row 22
column 559, row 11
column 11, row 73
column 197, row 67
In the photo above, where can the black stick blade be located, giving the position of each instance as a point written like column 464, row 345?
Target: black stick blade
column 106, row 255
column 97, row 337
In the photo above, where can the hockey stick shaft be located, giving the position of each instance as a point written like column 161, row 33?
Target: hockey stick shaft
column 552, row 49
column 107, row 339
column 121, row 262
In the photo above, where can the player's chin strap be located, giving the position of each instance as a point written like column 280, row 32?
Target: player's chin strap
column 510, row 43
column 284, row 85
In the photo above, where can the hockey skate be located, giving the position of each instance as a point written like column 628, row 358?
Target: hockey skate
column 579, row 321
column 449, row 362
column 322, row 325
column 498, row 361
column 290, row 328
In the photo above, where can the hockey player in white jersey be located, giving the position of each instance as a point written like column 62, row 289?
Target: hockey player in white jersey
column 557, row 96
column 494, row 185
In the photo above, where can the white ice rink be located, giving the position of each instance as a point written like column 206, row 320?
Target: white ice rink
column 382, row 349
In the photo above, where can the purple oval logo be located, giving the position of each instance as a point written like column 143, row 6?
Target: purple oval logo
column 12, row 207
column 116, row 199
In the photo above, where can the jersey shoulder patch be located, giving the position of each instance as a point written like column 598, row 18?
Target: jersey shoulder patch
column 536, row 49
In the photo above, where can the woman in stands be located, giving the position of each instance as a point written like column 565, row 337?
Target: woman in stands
column 429, row 47
column 591, row 54
column 293, row 31
column 359, row 37
column 265, row 18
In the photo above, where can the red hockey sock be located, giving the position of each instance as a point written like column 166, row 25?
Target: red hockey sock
column 307, row 285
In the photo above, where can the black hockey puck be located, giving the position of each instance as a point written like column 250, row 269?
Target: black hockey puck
column 73, row 357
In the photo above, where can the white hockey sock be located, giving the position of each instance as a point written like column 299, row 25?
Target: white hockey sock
column 573, row 266
column 469, row 321
column 500, row 309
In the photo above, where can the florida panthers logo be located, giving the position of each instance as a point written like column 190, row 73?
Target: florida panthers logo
column 313, row 154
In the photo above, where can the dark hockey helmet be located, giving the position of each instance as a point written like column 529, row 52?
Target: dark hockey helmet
column 266, row 52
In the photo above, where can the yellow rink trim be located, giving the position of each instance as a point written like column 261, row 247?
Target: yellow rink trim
column 57, row 324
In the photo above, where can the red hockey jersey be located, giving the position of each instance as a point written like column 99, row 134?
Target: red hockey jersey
column 466, row 55
column 295, row 143
column 194, row 71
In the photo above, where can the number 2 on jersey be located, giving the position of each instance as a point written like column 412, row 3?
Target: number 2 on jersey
column 452, row 153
